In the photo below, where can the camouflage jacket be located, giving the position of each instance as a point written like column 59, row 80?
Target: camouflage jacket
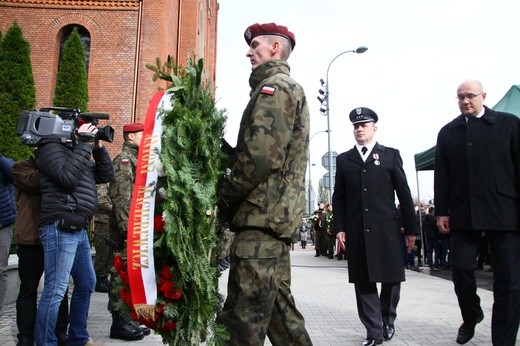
column 104, row 207
column 266, row 186
column 120, row 190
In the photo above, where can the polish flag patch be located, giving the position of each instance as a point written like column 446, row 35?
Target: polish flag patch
column 125, row 161
column 268, row 90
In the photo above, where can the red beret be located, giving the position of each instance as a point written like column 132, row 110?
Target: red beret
column 133, row 127
column 268, row 29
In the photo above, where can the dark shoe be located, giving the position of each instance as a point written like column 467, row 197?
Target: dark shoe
column 371, row 342
column 125, row 331
column 388, row 332
column 62, row 338
column 102, row 284
column 467, row 330
column 222, row 265
column 145, row 330
column 25, row 342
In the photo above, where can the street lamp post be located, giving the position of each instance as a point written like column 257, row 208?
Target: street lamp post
column 358, row 50
column 310, row 165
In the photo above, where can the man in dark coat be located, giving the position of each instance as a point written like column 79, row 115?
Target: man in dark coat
column 365, row 219
column 477, row 177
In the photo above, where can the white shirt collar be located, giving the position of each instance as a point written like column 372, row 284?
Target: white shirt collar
column 369, row 147
column 479, row 115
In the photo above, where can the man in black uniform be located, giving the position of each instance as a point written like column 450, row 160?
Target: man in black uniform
column 365, row 219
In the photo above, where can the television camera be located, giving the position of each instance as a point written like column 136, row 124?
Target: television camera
column 40, row 127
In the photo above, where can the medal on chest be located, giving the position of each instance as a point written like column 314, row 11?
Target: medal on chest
column 376, row 159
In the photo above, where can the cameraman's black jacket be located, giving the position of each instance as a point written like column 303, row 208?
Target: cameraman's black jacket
column 68, row 179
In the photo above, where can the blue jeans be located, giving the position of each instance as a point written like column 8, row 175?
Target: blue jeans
column 65, row 253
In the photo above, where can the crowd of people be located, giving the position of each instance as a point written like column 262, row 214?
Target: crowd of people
column 263, row 197
column 431, row 249
column 51, row 199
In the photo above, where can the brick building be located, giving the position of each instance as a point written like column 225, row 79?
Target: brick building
column 119, row 37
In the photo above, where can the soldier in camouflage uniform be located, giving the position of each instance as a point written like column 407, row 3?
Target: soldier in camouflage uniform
column 226, row 238
column 265, row 192
column 120, row 192
column 320, row 236
column 104, row 252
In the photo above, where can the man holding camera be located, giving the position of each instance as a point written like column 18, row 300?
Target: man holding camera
column 68, row 179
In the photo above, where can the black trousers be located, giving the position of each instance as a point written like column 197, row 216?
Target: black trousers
column 30, row 271
column 375, row 310
column 505, row 256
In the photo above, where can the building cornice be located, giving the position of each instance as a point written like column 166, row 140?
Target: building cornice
column 107, row 4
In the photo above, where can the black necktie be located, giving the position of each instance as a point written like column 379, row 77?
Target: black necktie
column 364, row 150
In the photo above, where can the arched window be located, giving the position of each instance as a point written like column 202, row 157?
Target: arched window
column 85, row 40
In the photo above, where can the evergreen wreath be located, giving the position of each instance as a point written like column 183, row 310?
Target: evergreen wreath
column 185, row 223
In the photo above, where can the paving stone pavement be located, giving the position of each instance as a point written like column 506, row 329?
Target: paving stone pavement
column 428, row 312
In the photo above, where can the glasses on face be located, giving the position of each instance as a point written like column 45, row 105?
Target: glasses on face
column 470, row 96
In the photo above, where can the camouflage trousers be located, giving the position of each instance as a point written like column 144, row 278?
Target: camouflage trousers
column 225, row 243
column 259, row 301
column 104, row 258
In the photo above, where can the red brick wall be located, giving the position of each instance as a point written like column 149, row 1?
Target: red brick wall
column 125, row 36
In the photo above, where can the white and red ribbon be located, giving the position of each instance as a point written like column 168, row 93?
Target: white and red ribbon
column 140, row 256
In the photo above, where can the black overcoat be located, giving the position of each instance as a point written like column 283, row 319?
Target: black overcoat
column 477, row 172
column 364, row 207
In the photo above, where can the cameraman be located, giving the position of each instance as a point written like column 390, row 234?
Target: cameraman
column 68, row 181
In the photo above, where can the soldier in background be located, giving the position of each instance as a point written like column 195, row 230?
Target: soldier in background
column 265, row 196
column 330, row 237
column 102, row 238
column 320, row 235
column 226, row 238
column 120, row 193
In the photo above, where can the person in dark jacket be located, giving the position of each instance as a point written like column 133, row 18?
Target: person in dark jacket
column 477, row 189
column 365, row 219
column 431, row 234
column 30, row 254
column 68, row 181
column 319, row 231
column 7, row 217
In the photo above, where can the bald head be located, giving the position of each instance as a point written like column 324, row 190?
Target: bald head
column 471, row 97
column 472, row 83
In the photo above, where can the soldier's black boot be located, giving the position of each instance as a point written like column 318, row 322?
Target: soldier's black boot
column 145, row 330
column 124, row 330
column 317, row 253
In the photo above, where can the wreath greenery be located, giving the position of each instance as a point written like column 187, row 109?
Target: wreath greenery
column 185, row 227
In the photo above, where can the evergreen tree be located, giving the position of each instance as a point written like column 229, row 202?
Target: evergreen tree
column 71, row 85
column 17, row 90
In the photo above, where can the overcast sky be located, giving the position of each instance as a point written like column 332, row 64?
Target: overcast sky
column 418, row 53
